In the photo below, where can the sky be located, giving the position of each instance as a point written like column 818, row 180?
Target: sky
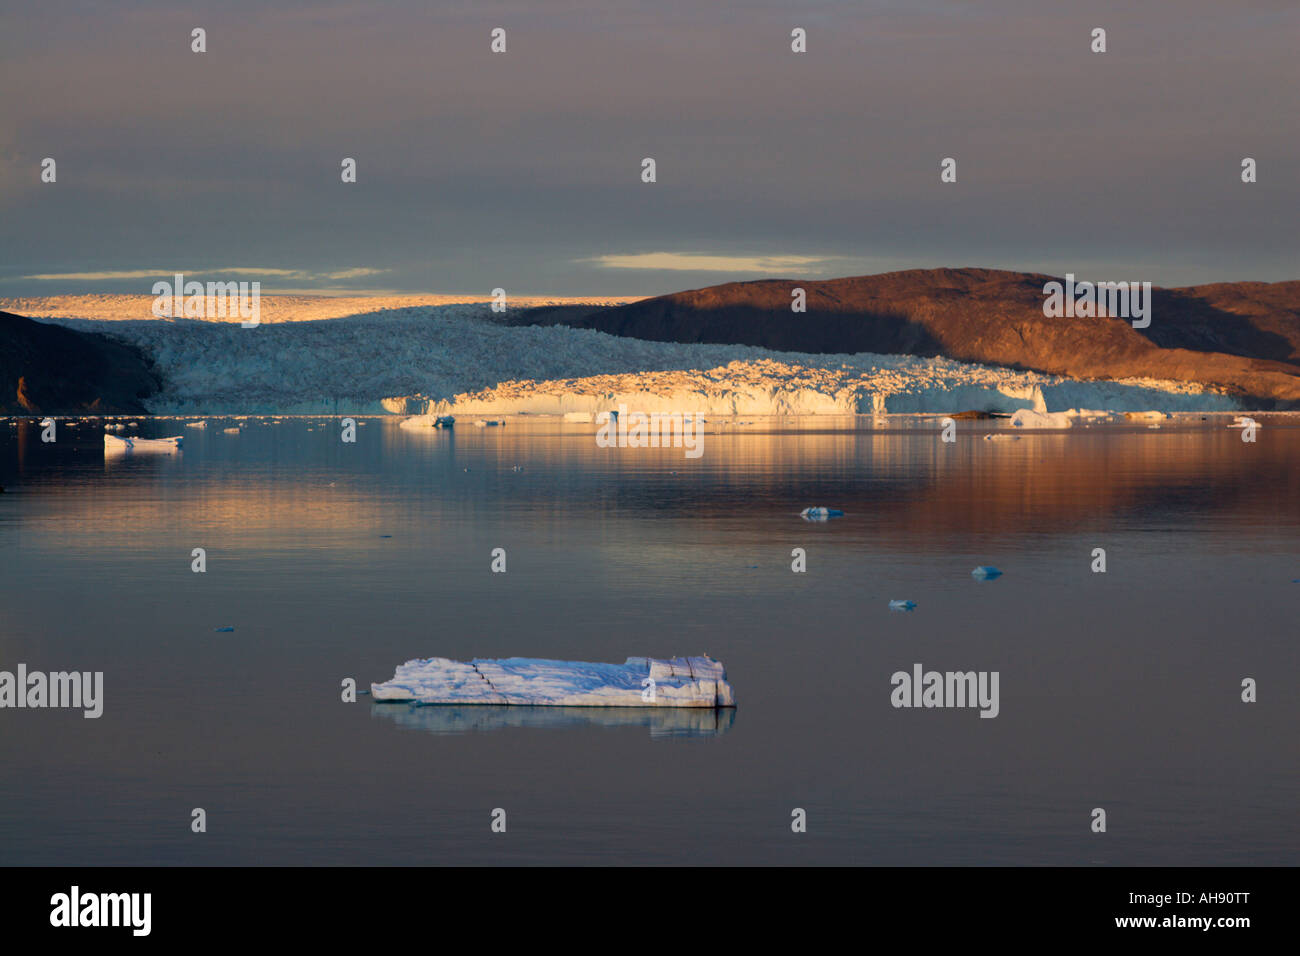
column 523, row 170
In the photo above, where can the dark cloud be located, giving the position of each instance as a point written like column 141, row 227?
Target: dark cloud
column 521, row 170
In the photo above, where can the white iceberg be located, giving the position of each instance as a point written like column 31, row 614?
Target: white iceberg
column 821, row 514
column 530, row 681
column 1028, row 418
column 902, row 605
column 113, row 444
column 986, row 572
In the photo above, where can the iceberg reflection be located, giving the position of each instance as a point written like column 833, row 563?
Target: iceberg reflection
column 477, row 718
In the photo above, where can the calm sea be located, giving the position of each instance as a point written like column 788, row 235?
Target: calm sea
column 1118, row 690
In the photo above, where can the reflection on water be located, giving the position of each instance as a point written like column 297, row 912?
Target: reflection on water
column 337, row 561
column 661, row 721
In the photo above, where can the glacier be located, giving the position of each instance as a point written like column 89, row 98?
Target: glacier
column 531, row 681
column 456, row 359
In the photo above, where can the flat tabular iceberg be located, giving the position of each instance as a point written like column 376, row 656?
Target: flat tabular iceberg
column 529, row 681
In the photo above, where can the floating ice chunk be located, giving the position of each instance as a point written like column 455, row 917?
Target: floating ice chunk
column 1245, row 421
column 1146, row 416
column 821, row 514
column 1093, row 415
column 578, row 417
column 231, row 431
column 429, row 421
column 1001, row 436
column 527, row 681
column 986, row 572
column 902, row 605
column 1028, row 418
column 226, row 628
column 196, row 424
column 113, row 444
column 488, row 423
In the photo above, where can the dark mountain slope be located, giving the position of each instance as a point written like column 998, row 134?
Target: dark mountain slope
column 50, row 370
column 1243, row 337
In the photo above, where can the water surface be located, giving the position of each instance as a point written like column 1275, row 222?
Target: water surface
column 1118, row 690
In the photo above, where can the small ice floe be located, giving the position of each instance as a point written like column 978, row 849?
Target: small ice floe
column 230, row 431
column 1001, row 436
column 528, row 681
column 224, row 629
column 444, row 421
column 578, row 417
column 196, row 424
column 1146, row 416
column 114, row 427
column 986, row 572
column 114, row 444
column 902, row 605
column 488, row 423
column 1245, row 421
column 1028, row 418
column 1153, row 425
column 820, row 514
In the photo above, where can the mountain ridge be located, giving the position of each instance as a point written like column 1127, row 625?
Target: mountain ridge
column 1241, row 337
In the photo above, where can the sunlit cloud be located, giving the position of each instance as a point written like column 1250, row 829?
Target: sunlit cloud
column 300, row 274
column 692, row 262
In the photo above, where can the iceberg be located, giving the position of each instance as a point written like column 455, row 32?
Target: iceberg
column 902, row 605
column 820, row 513
column 530, row 681
column 1152, row 416
column 986, row 572
column 1028, row 418
column 113, row 444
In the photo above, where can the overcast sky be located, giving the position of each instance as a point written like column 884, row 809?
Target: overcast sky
column 523, row 170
